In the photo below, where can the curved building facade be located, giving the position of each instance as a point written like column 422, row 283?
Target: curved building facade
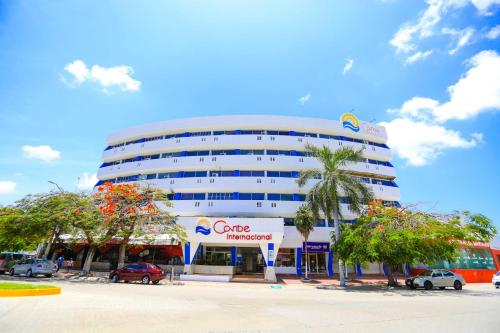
column 232, row 181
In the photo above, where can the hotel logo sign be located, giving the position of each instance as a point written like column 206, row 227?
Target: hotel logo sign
column 350, row 121
column 236, row 230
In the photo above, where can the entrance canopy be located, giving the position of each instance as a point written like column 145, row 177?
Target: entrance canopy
column 234, row 231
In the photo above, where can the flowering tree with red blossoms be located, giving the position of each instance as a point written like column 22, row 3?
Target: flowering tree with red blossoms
column 133, row 210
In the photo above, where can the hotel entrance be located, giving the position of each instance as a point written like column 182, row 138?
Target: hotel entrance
column 249, row 260
column 317, row 262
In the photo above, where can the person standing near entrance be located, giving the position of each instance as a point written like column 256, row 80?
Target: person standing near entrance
column 60, row 262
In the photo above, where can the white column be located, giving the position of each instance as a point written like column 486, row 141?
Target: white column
column 270, row 256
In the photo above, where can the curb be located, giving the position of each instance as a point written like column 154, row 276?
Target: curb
column 30, row 292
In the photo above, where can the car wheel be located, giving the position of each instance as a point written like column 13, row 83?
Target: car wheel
column 497, row 286
column 428, row 285
column 48, row 275
column 145, row 279
column 11, row 272
column 442, row 288
column 29, row 273
column 158, row 281
column 457, row 285
column 115, row 278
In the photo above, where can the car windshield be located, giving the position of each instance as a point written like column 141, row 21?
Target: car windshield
column 425, row 273
column 498, row 273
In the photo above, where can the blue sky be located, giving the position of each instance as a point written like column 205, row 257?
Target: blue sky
column 72, row 72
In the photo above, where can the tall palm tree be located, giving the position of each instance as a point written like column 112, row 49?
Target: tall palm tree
column 305, row 222
column 325, row 197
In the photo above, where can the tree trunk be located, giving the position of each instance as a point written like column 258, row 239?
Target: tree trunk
column 88, row 260
column 123, row 249
column 392, row 281
column 341, row 262
column 49, row 246
column 121, row 253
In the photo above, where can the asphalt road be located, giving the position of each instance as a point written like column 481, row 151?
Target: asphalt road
column 246, row 308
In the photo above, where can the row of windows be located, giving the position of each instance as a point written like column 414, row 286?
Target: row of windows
column 290, row 221
column 254, row 196
column 224, row 152
column 249, row 132
column 233, row 173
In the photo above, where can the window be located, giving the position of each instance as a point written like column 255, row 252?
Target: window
column 226, row 173
column 250, row 173
column 251, row 196
column 437, row 274
column 198, row 153
column 289, row 221
column 215, row 256
column 167, row 175
column 224, row 152
column 154, row 138
column 285, row 258
column 246, row 132
column 251, row 152
column 447, row 273
column 220, row 196
column 200, row 133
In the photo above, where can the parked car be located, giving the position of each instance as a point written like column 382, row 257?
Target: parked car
column 33, row 267
column 496, row 280
column 144, row 272
column 9, row 259
column 440, row 278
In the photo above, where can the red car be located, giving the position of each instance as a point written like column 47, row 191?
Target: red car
column 143, row 272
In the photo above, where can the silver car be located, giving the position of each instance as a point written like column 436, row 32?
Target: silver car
column 440, row 278
column 32, row 267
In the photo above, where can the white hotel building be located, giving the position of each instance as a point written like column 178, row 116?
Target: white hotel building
column 233, row 180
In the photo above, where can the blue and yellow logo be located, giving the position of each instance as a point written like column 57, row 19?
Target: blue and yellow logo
column 203, row 226
column 350, row 121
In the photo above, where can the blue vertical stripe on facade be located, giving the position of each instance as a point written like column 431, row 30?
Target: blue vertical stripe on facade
column 298, row 260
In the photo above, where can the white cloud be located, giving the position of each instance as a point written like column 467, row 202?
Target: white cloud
column 407, row 38
column 348, row 66
column 419, row 142
column 417, row 134
column 463, row 37
column 418, row 56
column 7, row 187
column 79, row 70
column 476, row 92
column 404, row 38
column 106, row 77
column 44, row 152
column 483, row 6
column 304, row 99
column 494, row 32
column 86, row 181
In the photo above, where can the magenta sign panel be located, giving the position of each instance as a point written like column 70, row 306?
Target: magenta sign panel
column 315, row 247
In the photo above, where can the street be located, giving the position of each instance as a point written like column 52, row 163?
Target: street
column 241, row 307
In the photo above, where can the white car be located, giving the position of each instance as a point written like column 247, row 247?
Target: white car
column 496, row 280
column 440, row 278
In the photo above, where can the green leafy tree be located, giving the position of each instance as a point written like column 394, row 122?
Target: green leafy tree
column 336, row 182
column 305, row 222
column 33, row 220
column 17, row 233
column 397, row 236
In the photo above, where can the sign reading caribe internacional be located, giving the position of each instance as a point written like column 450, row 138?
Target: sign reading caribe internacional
column 233, row 230
column 350, row 122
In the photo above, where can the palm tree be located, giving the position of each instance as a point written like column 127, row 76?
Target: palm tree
column 305, row 222
column 336, row 182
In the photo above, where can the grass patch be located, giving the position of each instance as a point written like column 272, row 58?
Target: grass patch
column 19, row 286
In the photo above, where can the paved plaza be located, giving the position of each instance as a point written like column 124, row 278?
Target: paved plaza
column 244, row 308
